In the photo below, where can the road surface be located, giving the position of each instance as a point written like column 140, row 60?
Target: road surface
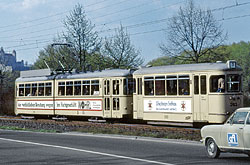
column 20, row 147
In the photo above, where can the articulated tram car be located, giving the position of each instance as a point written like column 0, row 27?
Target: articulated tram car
column 175, row 94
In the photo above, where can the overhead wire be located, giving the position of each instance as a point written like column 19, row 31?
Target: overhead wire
column 49, row 16
column 162, row 20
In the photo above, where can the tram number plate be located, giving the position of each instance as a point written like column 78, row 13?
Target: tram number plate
column 233, row 104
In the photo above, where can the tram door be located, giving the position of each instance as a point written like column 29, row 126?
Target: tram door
column 115, row 100
column 107, row 98
column 200, row 98
column 138, row 100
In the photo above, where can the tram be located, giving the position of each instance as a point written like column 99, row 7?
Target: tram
column 187, row 94
column 173, row 95
column 106, row 94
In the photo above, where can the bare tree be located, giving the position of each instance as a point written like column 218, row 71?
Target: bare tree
column 192, row 34
column 120, row 51
column 80, row 33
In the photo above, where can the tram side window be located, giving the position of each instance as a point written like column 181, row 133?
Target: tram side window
column 61, row 88
column 139, row 86
column 48, row 89
column 86, row 87
column 41, row 89
column 149, row 85
column 160, row 85
column 217, row 83
column 184, row 85
column 34, row 89
column 27, row 89
column 171, row 85
column 95, row 87
column 128, row 86
column 21, row 90
column 77, row 88
column 69, row 88
column 106, row 87
column 115, row 87
column 233, row 83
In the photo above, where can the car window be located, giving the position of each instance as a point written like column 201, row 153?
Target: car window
column 248, row 119
column 239, row 118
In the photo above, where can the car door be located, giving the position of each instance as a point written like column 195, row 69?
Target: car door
column 247, row 134
column 232, row 133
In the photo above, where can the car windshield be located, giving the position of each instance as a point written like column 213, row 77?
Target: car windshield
column 238, row 118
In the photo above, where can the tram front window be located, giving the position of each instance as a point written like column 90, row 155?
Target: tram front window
column 233, row 83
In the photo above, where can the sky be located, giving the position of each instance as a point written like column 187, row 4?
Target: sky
column 28, row 26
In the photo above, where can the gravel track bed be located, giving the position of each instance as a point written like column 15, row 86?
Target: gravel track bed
column 106, row 128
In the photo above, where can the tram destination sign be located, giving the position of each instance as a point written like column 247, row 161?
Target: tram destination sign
column 180, row 106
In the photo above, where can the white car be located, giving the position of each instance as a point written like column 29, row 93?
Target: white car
column 233, row 136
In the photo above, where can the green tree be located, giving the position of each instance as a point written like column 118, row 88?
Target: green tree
column 165, row 60
column 52, row 55
column 241, row 53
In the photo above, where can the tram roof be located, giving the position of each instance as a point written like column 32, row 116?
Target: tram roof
column 36, row 76
column 185, row 68
column 97, row 74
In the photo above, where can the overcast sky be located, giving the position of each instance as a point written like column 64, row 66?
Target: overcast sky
column 27, row 26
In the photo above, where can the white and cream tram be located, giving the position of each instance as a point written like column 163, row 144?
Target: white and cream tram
column 175, row 94
column 187, row 94
column 106, row 94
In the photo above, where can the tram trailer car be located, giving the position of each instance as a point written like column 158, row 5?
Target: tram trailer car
column 104, row 94
column 187, row 94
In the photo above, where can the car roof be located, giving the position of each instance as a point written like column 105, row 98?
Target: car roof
column 245, row 109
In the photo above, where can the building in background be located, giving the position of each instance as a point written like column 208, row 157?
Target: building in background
column 9, row 60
